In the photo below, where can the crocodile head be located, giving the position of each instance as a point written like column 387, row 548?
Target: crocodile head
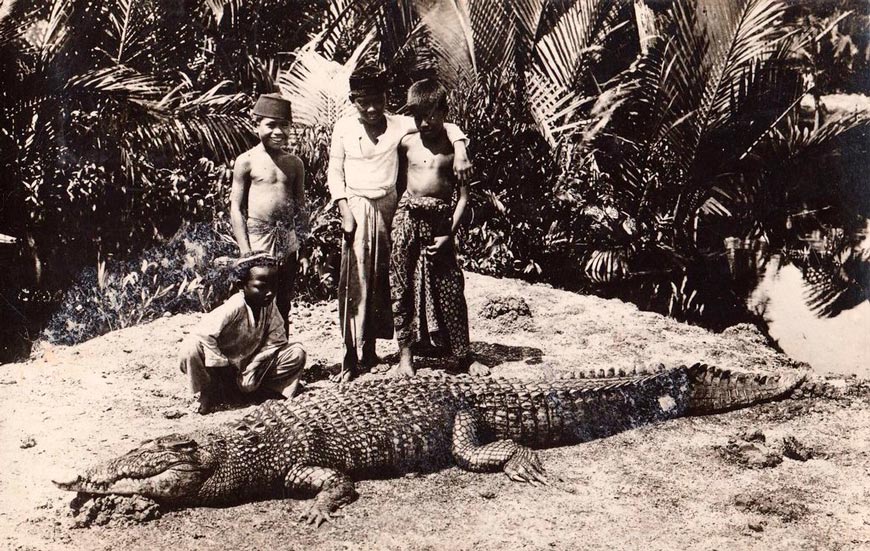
column 169, row 469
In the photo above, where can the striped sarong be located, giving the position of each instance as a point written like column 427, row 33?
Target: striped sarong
column 364, row 281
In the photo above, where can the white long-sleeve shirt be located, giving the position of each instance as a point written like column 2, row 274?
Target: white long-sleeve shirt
column 357, row 167
column 231, row 336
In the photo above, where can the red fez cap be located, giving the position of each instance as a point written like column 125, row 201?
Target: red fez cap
column 368, row 80
column 273, row 106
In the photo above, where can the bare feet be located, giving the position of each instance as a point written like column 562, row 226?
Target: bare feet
column 369, row 357
column 477, row 369
column 406, row 363
column 401, row 371
column 344, row 376
column 472, row 367
column 348, row 368
column 205, row 403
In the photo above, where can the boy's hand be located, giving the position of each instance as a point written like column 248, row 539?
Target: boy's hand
column 462, row 167
column 348, row 224
column 438, row 244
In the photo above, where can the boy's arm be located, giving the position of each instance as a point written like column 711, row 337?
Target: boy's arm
column 208, row 330
column 439, row 242
column 301, row 213
column 459, row 210
column 402, row 178
column 461, row 163
column 335, row 180
column 275, row 339
column 239, row 201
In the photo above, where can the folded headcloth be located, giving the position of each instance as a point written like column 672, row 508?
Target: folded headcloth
column 251, row 260
column 368, row 80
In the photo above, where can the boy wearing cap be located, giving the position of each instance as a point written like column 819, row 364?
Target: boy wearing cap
column 363, row 166
column 426, row 282
column 268, row 196
column 246, row 334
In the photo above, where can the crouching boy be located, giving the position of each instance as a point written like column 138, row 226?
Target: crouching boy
column 246, row 334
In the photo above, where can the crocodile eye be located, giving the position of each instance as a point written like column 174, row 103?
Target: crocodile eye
column 188, row 445
column 177, row 442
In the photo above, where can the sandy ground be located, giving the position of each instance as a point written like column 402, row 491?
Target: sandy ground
column 669, row 486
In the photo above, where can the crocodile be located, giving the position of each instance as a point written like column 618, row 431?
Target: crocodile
column 318, row 443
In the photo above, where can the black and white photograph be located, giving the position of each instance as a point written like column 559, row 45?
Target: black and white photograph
column 435, row 275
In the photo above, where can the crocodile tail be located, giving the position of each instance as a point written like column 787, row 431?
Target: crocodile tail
column 713, row 389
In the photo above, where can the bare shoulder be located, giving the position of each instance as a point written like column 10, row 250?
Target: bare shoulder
column 242, row 168
column 295, row 160
column 243, row 161
column 290, row 161
column 409, row 141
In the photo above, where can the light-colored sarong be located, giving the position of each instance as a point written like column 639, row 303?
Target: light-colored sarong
column 278, row 238
column 364, row 282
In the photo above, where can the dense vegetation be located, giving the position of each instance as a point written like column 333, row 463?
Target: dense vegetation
column 645, row 150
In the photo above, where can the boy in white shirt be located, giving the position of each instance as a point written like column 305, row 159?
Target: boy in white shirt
column 363, row 166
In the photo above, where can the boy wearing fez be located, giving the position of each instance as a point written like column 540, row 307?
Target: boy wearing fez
column 426, row 282
column 363, row 165
column 245, row 334
column 267, row 199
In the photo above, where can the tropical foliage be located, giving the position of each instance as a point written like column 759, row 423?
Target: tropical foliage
column 618, row 145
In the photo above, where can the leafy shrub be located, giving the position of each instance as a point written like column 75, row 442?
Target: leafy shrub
column 520, row 223
column 175, row 277
column 322, row 244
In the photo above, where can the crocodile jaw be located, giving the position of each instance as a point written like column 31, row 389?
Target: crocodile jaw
column 166, row 469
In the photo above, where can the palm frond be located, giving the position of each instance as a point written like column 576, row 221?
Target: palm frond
column 346, row 18
column 51, row 37
column 121, row 82
column 318, row 87
column 568, row 43
column 449, row 26
column 493, row 30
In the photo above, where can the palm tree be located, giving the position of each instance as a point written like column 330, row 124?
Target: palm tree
column 549, row 48
column 687, row 138
column 100, row 100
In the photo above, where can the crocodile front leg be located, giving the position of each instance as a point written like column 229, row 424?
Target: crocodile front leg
column 332, row 490
column 518, row 462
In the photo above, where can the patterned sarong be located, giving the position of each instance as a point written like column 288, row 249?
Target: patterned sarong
column 364, row 282
column 428, row 293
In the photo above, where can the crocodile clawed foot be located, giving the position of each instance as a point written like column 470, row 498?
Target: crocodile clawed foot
column 525, row 466
column 317, row 515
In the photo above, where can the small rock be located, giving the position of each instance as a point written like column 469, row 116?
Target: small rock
column 127, row 350
column 756, row 527
column 173, row 414
column 146, row 375
column 501, row 305
column 487, row 494
column 796, row 450
column 28, row 442
column 753, row 435
column 167, row 314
